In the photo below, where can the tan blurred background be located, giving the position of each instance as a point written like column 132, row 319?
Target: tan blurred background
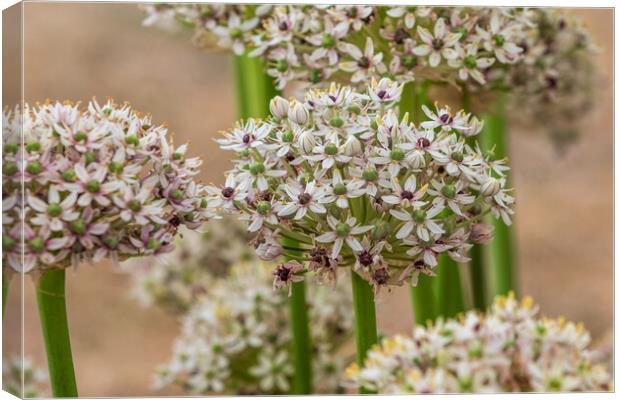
column 76, row 51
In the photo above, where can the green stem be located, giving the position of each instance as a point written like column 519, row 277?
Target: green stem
column 423, row 300
column 254, row 87
column 53, row 314
column 300, row 328
column 448, row 287
column 302, row 350
column 365, row 319
column 477, row 275
column 501, row 253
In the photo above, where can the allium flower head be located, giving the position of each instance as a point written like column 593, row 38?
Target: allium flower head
column 359, row 187
column 236, row 338
column 509, row 349
column 100, row 181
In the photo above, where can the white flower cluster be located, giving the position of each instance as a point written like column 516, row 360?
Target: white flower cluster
column 237, row 339
column 341, row 179
column 179, row 278
column 97, row 182
column 509, row 349
column 34, row 383
column 497, row 47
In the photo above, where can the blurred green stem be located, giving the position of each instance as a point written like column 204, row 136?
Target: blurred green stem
column 5, row 293
column 495, row 137
column 55, row 327
column 448, row 288
column 365, row 319
column 254, row 87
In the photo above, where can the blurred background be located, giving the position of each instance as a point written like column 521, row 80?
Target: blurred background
column 77, row 51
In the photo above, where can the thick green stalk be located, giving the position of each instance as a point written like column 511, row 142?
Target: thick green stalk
column 478, row 268
column 448, row 286
column 254, row 87
column 302, row 349
column 300, row 328
column 365, row 319
column 495, row 137
column 423, row 300
column 53, row 315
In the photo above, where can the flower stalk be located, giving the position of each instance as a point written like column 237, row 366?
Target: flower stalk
column 495, row 138
column 365, row 319
column 449, row 289
column 54, row 324
column 254, row 87
column 302, row 349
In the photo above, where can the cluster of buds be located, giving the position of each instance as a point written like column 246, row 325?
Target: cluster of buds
column 338, row 179
column 23, row 379
column 510, row 349
column 178, row 279
column 236, row 340
column 85, row 184
column 473, row 46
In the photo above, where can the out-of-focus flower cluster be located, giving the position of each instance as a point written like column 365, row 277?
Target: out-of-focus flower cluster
column 340, row 179
column 510, row 349
column 100, row 181
column 236, row 338
column 500, row 47
column 181, row 277
column 34, row 378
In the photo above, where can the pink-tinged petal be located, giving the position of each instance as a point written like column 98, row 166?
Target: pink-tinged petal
column 401, row 215
column 301, row 212
column 36, row 203
column 354, row 244
column 84, row 199
column 98, row 229
column 421, row 50
column 405, row 230
column 440, row 28
column 81, row 172
column 56, row 243
column 337, row 247
column 425, row 35
column 434, row 59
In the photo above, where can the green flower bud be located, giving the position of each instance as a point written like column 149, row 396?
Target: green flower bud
column 236, row 33
column 78, row 226
column 177, row 156
column 10, row 148
column 499, row 40
column 9, row 169
column 92, row 186
column 409, row 61
column 244, row 153
column 288, row 137
column 418, row 216
column 340, row 189
column 382, row 230
column 342, row 229
column 257, row 168
column 90, row 157
column 69, row 175
column 110, row 241
column 176, row 194
column 354, row 110
column 449, row 191
column 203, row 203
column 37, row 245
column 457, row 156
column 7, row 243
column 33, row 147
column 475, row 352
column 153, row 244
column 54, row 210
column 80, row 136
column 263, row 207
column 397, row 155
column 336, row 122
column 370, row 174
column 315, row 76
column 134, row 205
column 132, row 140
column 34, row 167
column 374, row 125
column 281, row 65
column 328, row 41
column 115, row 167
column 469, row 62
column 331, row 149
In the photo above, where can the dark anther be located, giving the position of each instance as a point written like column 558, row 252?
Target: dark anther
column 283, row 26
column 247, row 138
column 228, row 192
column 381, row 276
column 424, row 142
column 400, row 35
column 437, row 44
column 365, row 258
column 446, row 118
column 363, row 63
column 381, row 94
column 406, row 195
column 304, row 198
column 283, row 273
